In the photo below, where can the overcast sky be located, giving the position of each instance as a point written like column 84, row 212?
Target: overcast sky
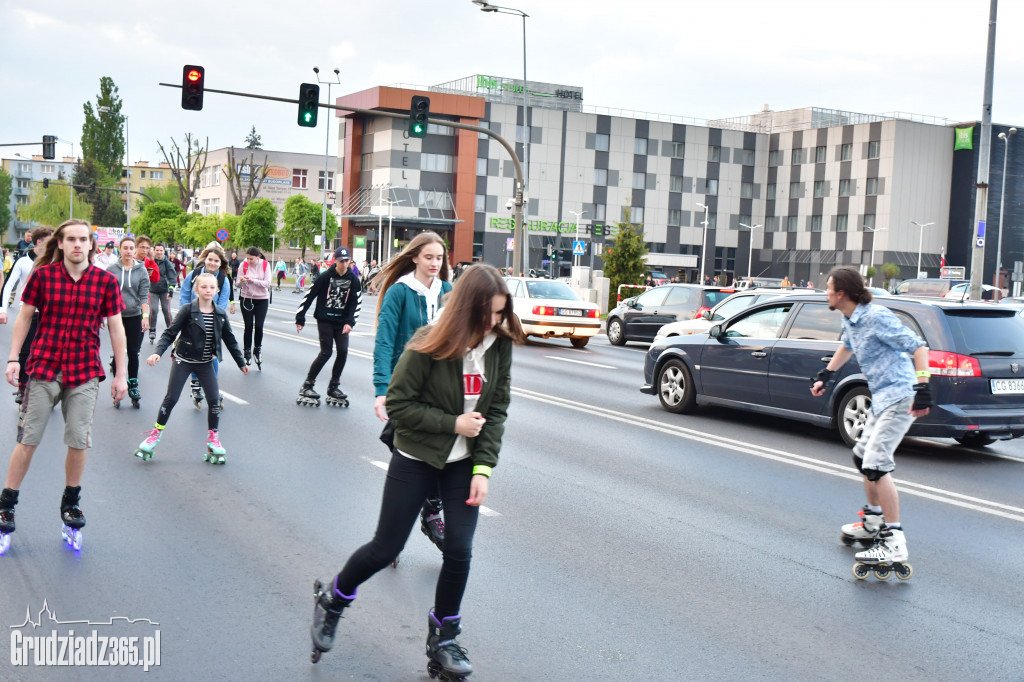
column 707, row 59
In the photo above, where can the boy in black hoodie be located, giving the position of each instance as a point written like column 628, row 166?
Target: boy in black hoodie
column 337, row 295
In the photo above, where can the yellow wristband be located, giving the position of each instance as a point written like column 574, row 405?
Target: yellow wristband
column 923, row 374
column 482, row 470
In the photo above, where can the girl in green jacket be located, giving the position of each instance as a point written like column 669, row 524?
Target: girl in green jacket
column 449, row 396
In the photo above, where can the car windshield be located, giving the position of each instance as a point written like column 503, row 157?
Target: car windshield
column 733, row 306
column 987, row 332
column 551, row 289
column 713, row 297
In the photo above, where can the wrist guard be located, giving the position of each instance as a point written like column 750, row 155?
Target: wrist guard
column 922, row 396
column 823, row 375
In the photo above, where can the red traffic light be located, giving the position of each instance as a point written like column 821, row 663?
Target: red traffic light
column 192, row 87
column 194, row 75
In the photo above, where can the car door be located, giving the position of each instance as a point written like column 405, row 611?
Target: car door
column 806, row 346
column 735, row 364
column 642, row 321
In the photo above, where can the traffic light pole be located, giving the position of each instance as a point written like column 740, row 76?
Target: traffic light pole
column 519, row 233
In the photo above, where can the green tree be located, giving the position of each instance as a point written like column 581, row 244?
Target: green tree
column 302, row 222
column 158, row 194
column 890, row 271
column 625, row 262
column 103, row 132
column 6, row 183
column 252, row 140
column 257, row 226
column 871, row 272
column 200, row 230
column 49, row 206
column 161, row 221
column 105, row 199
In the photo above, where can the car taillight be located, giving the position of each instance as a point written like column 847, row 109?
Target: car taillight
column 543, row 310
column 946, row 364
column 700, row 312
column 595, row 313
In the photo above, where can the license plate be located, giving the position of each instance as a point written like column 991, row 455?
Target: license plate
column 1007, row 386
column 569, row 311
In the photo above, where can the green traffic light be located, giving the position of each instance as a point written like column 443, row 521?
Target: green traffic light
column 308, row 116
column 418, row 128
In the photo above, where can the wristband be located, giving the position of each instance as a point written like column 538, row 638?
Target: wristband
column 482, row 470
column 923, row 374
column 10, row 361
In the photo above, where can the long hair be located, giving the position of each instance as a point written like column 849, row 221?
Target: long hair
column 402, row 264
column 467, row 316
column 225, row 267
column 255, row 251
column 849, row 281
column 54, row 255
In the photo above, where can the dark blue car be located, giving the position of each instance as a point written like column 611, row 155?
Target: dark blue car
column 762, row 360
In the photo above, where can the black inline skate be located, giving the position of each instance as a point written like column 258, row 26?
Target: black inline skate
column 72, row 516
column 448, row 660
column 8, row 499
column 336, row 397
column 133, row 392
column 197, row 394
column 257, row 357
column 247, row 354
column 431, row 522
column 307, row 396
column 328, row 603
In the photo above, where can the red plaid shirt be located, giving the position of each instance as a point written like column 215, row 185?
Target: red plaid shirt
column 68, row 334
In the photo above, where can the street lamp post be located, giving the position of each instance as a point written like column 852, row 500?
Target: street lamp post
column 127, row 170
column 1005, row 137
column 750, row 255
column 520, row 229
column 874, row 230
column 920, row 244
column 327, row 145
column 703, row 242
column 390, row 216
column 575, row 258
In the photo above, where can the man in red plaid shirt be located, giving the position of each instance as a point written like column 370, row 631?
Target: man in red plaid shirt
column 73, row 299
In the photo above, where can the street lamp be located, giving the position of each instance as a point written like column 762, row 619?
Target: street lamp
column 575, row 258
column 390, row 240
column 874, row 230
column 703, row 242
column 1005, row 137
column 750, row 255
column 127, row 170
column 520, row 230
column 327, row 145
column 920, row 243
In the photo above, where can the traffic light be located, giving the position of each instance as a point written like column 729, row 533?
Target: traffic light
column 193, row 79
column 49, row 142
column 309, row 104
column 418, row 113
column 92, row 187
column 46, row 183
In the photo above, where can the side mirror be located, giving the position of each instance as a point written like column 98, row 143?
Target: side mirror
column 715, row 332
column 706, row 315
column 631, row 304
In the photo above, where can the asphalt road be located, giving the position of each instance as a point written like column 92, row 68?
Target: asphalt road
column 619, row 542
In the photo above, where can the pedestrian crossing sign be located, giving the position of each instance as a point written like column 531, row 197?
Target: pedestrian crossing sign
column 579, row 248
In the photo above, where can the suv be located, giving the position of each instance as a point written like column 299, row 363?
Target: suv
column 763, row 358
column 639, row 318
column 732, row 305
column 932, row 286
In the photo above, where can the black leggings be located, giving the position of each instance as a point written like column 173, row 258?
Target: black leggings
column 408, row 484
column 253, row 309
column 133, row 338
column 179, row 375
column 331, row 335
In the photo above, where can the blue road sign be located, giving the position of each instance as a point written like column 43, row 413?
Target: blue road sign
column 579, row 248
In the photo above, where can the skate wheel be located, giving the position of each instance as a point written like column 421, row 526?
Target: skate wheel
column 117, row 404
column 903, row 571
column 861, row 571
column 5, row 543
column 883, row 572
column 315, row 656
column 847, row 540
column 135, row 404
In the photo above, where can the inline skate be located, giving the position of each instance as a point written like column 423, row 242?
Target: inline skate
column 328, row 604
column 431, row 522
column 336, row 397
column 448, row 660
column 133, row 392
column 215, row 452
column 8, row 499
column 146, row 447
column 257, row 357
column 864, row 531
column 307, row 396
column 889, row 555
column 197, row 394
column 247, row 354
column 72, row 516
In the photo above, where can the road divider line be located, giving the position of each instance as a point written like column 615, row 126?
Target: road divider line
column 937, row 494
column 233, row 398
column 486, row 511
column 580, row 362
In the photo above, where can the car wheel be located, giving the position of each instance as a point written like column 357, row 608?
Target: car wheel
column 579, row 341
column 852, row 414
column 616, row 337
column 975, row 440
column 675, row 387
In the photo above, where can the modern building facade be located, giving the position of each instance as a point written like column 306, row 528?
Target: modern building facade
column 28, row 173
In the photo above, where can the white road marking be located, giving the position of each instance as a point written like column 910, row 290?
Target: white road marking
column 580, row 362
column 486, row 511
column 233, row 398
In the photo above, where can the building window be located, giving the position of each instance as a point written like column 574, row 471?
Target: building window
column 599, row 211
column 440, row 163
column 330, row 181
column 712, row 221
column 792, row 223
column 819, row 189
column 636, row 214
column 601, row 142
column 869, row 221
column 775, row 157
column 844, row 188
column 675, row 183
column 714, row 154
column 481, row 167
column 842, row 223
column 365, row 161
column 771, row 223
column 156, row 175
column 677, row 150
column 483, row 124
column 815, row 223
column 435, row 199
column 640, row 145
column 22, row 183
column 435, row 129
column 798, row 157
column 872, row 187
column 639, row 179
column 519, row 133
column 819, row 154
column 24, row 168
column 481, row 203
column 298, row 178
column 675, row 216
column 746, row 190
column 600, row 176
column 874, row 149
column 748, row 157
column 712, row 187
column 794, row 190
column 769, row 192
column 47, row 169
column 846, row 152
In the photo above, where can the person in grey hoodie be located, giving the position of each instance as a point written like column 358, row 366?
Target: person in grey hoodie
column 135, row 291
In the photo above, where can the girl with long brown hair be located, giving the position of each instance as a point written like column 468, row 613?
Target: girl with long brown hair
column 449, row 397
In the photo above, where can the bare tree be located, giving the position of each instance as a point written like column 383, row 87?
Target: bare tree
column 186, row 167
column 245, row 180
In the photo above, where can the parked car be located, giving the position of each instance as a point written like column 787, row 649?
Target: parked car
column 639, row 318
column 962, row 292
column 762, row 360
column 548, row 308
column 732, row 305
column 930, row 286
column 879, row 291
column 540, row 273
column 658, row 277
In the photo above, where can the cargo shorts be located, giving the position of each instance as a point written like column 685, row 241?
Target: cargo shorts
column 882, row 434
column 78, row 405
